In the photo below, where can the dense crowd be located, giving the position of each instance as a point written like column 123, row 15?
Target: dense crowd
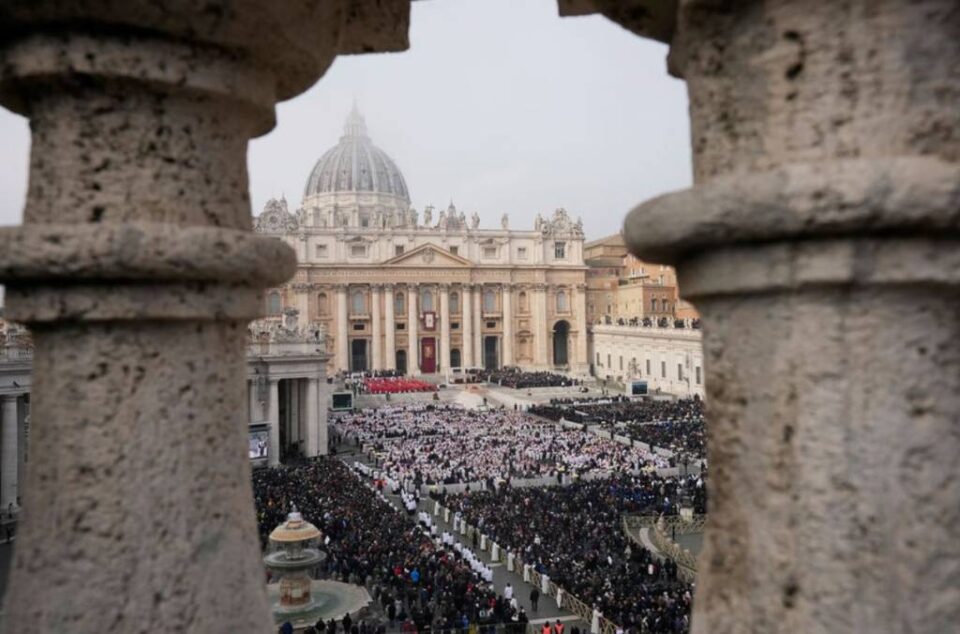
column 574, row 535
column 516, row 378
column 418, row 582
column 395, row 385
column 447, row 444
column 674, row 425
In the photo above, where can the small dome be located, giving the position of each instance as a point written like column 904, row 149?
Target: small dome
column 355, row 164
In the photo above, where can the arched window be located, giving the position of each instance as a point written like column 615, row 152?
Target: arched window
column 357, row 303
column 322, row 305
column 522, row 302
column 274, row 304
column 398, row 303
column 666, row 306
column 489, row 301
column 563, row 302
column 454, row 303
column 653, row 305
column 426, row 300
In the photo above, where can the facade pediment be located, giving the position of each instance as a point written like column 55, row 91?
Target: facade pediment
column 428, row 255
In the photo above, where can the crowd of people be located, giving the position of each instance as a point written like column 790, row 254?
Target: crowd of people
column 447, row 444
column 574, row 535
column 395, row 385
column 513, row 377
column 420, row 584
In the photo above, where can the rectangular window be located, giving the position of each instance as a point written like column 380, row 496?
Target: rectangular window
column 401, row 326
column 648, row 367
column 679, row 371
column 521, row 253
column 598, row 358
column 364, row 222
column 608, row 362
column 398, row 249
column 663, row 369
column 560, row 250
column 358, row 326
column 455, row 250
column 698, row 375
column 454, row 325
column 358, row 250
column 489, row 252
column 621, row 364
column 491, row 325
column 321, row 251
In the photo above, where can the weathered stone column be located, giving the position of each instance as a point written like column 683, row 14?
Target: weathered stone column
column 466, row 319
column 478, row 325
column 582, row 364
column 541, row 335
column 390, row 325
column 508, row 325
column 444, row 365
column 273, row 418
column 136, row 270
column 10, row 454
column 375, row 328
column 313, row 419
column 413, row 340
column 821, row 243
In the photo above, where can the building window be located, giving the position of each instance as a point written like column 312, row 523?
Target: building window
column 563, row 302
column 400, row 326
column 455, row 250
column 364, row 222
column 491, row 325
column 454, row 325
column 489, row 301
column 666, row 306
column 621, row 364
column 679, row 371
column 398, row 249
column 454, row 303
column 322, row 305
column 426, row 300
column 398, row 303
column 698, row 375
column 321, row 250
column 521, row 253
column 357, row 303
column 663, row 369
column 653, row 305
column 522, row 302
column 633, row 365
column 274, row 304
column 358, row 250
column 608, row 361
column 358, row 327
column 560, row 250
column 489, row 252
column 648, row 367
column 598, row 358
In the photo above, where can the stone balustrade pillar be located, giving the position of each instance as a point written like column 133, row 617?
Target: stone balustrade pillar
column 820, row 243
column 136, row 271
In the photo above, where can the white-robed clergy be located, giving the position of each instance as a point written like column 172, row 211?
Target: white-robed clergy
column 595, row 621
column 544, row 584
column 511, row 561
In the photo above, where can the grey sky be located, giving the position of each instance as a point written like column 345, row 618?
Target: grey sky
column 499, row 104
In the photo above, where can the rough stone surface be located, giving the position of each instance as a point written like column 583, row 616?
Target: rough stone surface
column 137, row 272
column 820, row 245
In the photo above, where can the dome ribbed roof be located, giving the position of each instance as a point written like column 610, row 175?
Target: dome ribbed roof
column 355, row 164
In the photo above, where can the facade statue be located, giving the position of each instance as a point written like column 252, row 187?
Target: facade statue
column 442, row 220
column 505, row 221
column 427, row 216
column 475, row 220
column 413, row 217
column 538, row 223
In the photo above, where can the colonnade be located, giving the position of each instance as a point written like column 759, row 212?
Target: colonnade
column 9, row 450
column 305, row 413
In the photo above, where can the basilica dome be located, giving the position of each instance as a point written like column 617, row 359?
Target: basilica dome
column 356, row 165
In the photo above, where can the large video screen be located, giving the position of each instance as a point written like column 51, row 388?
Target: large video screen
column 342, row 401
column 638, row 388
column 259, row 439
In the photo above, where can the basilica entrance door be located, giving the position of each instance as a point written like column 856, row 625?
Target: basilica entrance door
column 491, row 353
column 358, row 355
column 428, row 355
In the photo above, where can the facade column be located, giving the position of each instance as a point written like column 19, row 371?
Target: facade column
column 444, row 328
column 10, row 455
column 390, row 324
column 580, row 307
column 507, row 325
column 343, row 330
column 820, row 245
column 478, row 324
column 540, row 335
column 312, row 447
column 413, row 340
column 375, row 327
column 466, row 326
column 253, row 405
column 273, row 419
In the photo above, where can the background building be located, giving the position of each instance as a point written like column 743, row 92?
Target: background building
column 397, row 290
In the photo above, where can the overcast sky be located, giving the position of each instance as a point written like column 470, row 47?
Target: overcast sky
column 499, row 105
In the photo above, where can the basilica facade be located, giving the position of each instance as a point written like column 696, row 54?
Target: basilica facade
column 424, row 292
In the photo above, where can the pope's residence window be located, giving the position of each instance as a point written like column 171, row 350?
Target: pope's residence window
column 426, row 300
column 321, row 250
column 398, row 249
column 455, row 250
column 560, row 250
column 521, row 253
column 489, row 302
column 454, row 303
column 358, row 305
column 358, row 250
column 489, row 252
column 274, row 304
column 563, row 302
column 398, row 303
